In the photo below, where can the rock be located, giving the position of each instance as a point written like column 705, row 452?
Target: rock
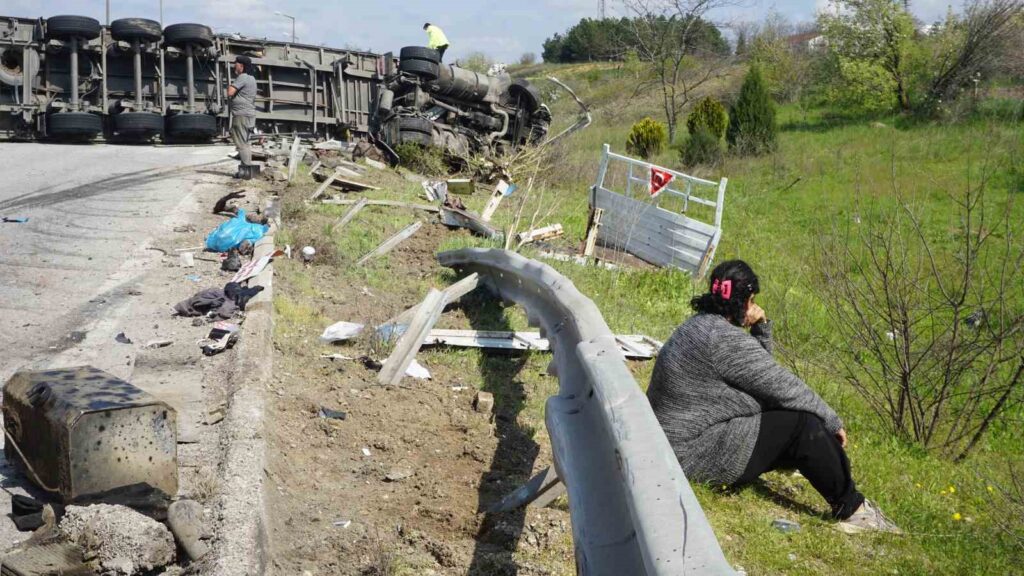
column 484, row 402
column 398, row 473
column 185, row 518
column 121, row 539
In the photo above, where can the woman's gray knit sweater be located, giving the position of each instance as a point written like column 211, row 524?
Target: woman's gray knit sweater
column 710, row 384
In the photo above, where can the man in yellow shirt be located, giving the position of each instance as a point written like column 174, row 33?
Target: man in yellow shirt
column 436, row 38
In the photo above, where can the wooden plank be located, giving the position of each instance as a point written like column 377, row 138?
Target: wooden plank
column 390, row 243
column 552, row 231
column 410, row 342
column 349, row 215
column 293, row 160
column 492, row 205
column 391, row 203
column 346, row 184
column 451, row 293
column 463, row 219
column 316, row 166
column 592, row 227
column 327, row 182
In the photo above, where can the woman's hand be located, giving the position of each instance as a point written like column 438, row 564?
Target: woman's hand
column 755, row 314
column 841, row 436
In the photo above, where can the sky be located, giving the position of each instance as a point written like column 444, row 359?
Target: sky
column 502, row 30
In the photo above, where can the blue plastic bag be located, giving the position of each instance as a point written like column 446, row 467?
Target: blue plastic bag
column 233, row 232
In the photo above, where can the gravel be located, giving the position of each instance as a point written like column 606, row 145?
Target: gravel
column 124, row 541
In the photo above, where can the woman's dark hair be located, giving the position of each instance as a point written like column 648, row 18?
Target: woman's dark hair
column 731, row 284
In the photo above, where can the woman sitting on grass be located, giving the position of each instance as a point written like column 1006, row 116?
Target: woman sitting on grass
column 732, row 413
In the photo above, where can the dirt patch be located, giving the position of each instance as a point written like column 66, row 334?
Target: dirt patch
column 402, row 484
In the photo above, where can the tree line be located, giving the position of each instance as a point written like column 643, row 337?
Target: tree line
column 613, row 39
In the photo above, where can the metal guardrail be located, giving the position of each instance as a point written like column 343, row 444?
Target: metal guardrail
column 633, row 511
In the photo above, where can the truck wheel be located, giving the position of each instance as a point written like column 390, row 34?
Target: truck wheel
column 415, row 124
column 129, row 29
column 73, row 125
column 191, row 127
column 182, row 34
column 527, row 93
column 421, row 68
column 138, row 124
column 420, row 53
column 416, row 138
column 63, row 27
column 14, row 62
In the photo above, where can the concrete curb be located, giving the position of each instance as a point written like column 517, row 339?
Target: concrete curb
column 241, row 549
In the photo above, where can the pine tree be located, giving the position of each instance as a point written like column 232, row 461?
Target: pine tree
column 752, row 117
column 741, row 43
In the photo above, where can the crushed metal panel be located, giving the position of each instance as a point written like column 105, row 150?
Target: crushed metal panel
column 86, row 432
column 634, row 221
column 46, row 560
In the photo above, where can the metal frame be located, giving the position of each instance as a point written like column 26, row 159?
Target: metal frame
column 633, row 511
column 636, row 222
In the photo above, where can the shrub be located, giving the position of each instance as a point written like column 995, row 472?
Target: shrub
column 752, row 118
column 426, row 160
column 703, row 147
column 647, row 138
column 527, row 59
column 710, row 115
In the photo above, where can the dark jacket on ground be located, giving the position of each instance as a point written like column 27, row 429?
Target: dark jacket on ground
column 710, row 384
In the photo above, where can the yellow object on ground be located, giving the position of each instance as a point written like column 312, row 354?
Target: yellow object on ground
column 436, row 37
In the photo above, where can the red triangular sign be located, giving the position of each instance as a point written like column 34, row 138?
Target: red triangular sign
column 660, row 178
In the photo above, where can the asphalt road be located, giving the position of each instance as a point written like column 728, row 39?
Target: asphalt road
column 89, row 208
column 69, row 274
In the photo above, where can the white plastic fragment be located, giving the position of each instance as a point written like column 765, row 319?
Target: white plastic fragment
column 341, row 331
column 366, row 451
column 416, row 370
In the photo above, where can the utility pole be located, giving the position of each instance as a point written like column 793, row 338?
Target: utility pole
column 602, row 4
column 293, row 23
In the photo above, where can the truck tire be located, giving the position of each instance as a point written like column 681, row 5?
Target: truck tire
column 527, row 93
column 415, row 124
column 14, row 62
column 421, row 68
column 64, row 27
column 416, row 138
column 182, row 34
column 420, row 53
column 129, row 29
column 191, row 127
column 138, row 124
column 73, row 125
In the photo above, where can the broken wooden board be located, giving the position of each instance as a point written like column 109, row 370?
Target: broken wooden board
column 592, row 229
column 344, row 184
column 451, row 294
column 409, row 344
column 349, row 215
column 463, row 219
column 392, row 203
column 390, row 243
column 636, row 346
column 326, row 183
column 462, row 186
column 545, row 233
column 293, row 159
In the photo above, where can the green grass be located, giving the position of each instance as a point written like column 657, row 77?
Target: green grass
column 828, row 169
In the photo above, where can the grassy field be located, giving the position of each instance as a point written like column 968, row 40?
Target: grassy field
column 828, row 171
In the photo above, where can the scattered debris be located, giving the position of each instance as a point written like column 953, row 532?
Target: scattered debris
column 15, row 219
column 293, row 159
column 390, row 243
column 194, row 278
column 121, row 539
column 341, row 331
column 185, row 518
column 464, row 219
column 330, row 414
column 417, row 371
column 101, row 419
column 46, row 559
column 634, row 346
column 122, row 338
column 233, row 262
column 366, row 451
column 545, row 233
column 463, row 186
column 342, row 523
column 410, row 342
column 581, row 260
column 254, row 267
column 435, row 190
column 593, row 226
column 349, row 215
column 337, row 181
column 396, row 326
column 232, row 233
column 320, row 190
column 483, row 402
column 188, row 228
column 158, row 343
column 187, row 260
column 336, row 357
column 375, row 164
column 785, row 526
column 502, row 190
column 398, row 473
column 307, row 254
column 221, row 206
column 392, row 203
column 221, row 302
column 77, row 336
column 222, row 336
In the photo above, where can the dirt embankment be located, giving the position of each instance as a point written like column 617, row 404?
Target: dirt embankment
column 402, row 484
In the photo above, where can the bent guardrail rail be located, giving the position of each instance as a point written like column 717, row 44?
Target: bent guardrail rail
column 633, row 511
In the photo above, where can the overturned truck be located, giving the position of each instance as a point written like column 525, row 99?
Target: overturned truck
column 72, row 78
column 427, row 102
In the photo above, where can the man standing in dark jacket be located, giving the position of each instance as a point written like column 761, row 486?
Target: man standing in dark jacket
column 242, row 99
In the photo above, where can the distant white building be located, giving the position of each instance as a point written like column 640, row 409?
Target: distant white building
column 807, row 41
